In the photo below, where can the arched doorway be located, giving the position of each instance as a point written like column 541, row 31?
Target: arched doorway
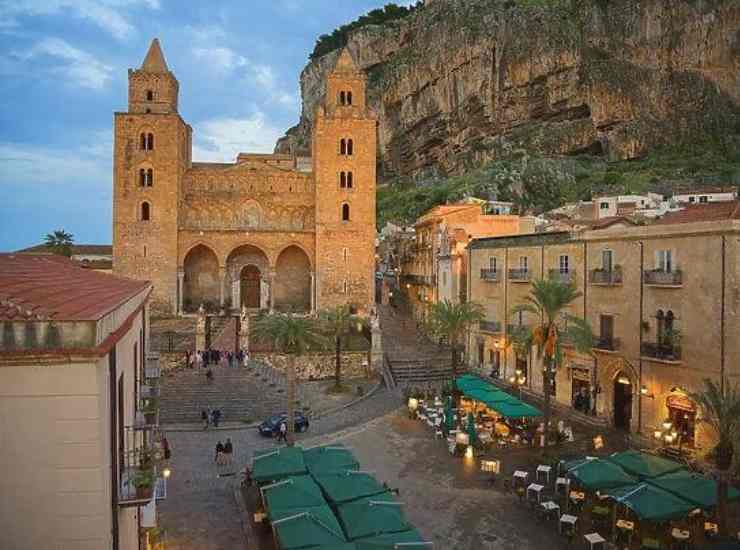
column 623, row 393
column 201, row 282
column 249, row 286
column 293, row 280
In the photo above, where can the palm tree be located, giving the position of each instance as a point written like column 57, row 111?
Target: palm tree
column 339, row 321
column 60, row 242
column 292, row 336
column 720, row 408
column 548, row 300
column 453, row 320
column 521, row 340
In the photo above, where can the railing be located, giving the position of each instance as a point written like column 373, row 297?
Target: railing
column 663, row 278
column 665, row 352
column 151, row 369
column 604, row 277
column 562, row 276
column 138, row 460
column 519, row 275
column 421, row 280
column 489, row 275
column 513, row 328
column 490, row 326
column 607, row 343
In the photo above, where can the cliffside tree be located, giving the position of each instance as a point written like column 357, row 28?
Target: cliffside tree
column 453, row 321
column 59, row 242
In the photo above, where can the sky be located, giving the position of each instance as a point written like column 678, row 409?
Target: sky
column 63, row 73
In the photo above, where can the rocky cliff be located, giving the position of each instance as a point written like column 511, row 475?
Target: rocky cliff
column 462, row 82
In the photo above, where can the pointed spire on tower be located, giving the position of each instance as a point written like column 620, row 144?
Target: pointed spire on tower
column 345, row 63
column 154, row 61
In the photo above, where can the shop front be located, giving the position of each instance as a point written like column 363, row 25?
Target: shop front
column 581, row 388
column 682, row 416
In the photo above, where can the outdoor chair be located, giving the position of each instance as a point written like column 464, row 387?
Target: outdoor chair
column 521, row 493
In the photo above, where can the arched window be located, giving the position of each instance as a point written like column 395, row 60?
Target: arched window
column 149, row 95
column 142, row 144
column 345, row 212
column 349, row 146
column 342, row 146
column 145, row 212
column 142, row 177
column 341, row 98
column 146, row 177
column 342, row 180
column 349, row 98
column 349, row 180
column 150, row 142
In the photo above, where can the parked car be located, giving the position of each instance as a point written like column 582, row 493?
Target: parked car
column 271, row 426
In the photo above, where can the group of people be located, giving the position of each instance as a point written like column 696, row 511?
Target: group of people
column 215, row 357
column 209, row 417
column 224, row 452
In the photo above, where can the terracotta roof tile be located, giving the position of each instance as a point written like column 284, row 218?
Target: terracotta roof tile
column 711, row 211
column 54, row 288
column 100, row 249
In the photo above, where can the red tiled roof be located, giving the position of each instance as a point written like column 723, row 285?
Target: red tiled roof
column 54, row 288
column 603, row 223
column 84, row 249
column 711, row 211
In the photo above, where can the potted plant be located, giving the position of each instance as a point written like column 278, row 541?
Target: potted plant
column 150, row 410
column 143, row 481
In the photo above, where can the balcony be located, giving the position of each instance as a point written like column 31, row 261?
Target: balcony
column 513, row 328
column 492, row 327
column 662, row 352
column 562, row 276
column 519, row 275
column 607, row 343
column 490, row 275
column 606, row 278
column 421, row 280
column 151, row 369
column 657, row 277
column 138, row 459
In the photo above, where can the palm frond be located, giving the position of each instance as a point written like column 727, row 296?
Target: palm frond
column 288, row 333
column 579, row 333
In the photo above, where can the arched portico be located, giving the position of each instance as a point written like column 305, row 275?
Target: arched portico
column 200, row 281
column 293, row 280
column 248, row 278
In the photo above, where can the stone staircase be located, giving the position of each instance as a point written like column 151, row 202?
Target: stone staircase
column 223, row 333
column 413, row 359
column 242, row 394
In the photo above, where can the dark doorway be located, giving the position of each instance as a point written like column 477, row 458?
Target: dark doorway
column 250, row 287
column 481, row 353
column 622, row 402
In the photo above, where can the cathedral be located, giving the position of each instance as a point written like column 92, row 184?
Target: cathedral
column 266, row 232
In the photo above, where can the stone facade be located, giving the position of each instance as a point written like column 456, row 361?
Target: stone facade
column 319, row 365
column 661, row 325
column 252, row 233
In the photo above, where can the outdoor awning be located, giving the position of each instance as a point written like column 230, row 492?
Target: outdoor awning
column 498, row 400
column 599, row 474
column 644, row 465
column 516, row 410
column 694, row 488
column 372, row 516
column 406, row 539
column 331, row 458
column 470, row 381
column 292, row 492
column 315, row 526
column 491, row 397
column 348, row 486
column 278, row 464
column 651, row 503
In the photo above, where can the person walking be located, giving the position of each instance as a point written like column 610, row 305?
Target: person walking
column 228, row 450
column 205, row 416
column 216, row 417
column 219, row 458
column 166, row 448
column 283, row 433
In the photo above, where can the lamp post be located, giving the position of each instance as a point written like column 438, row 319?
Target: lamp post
column 518, row 380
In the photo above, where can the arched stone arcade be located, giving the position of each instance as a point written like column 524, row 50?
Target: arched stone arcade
column 293, row 280
column 201, row 279
column 247, row 279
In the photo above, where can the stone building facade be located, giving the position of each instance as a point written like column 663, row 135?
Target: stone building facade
column 265, row 232
column 662, row 301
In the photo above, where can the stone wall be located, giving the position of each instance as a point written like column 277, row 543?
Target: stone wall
column 316, row 366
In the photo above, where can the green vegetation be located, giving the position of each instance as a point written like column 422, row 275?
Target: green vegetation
column 60, row 242
column 537, row 183
column 338, row 38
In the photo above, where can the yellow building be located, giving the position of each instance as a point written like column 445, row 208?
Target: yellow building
column 434, row 265
column 662, row 302
column 73, row 364
column 265, row 232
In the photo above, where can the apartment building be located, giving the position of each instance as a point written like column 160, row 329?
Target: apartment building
column 434, row 263
column 662, row 301
column 77, row 393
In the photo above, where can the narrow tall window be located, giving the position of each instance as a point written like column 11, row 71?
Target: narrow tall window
column 150, row 142
column 149, row 177
column 345, row 212
column 145, row 212
column 143, row 144
column 349, row 147
column 342, row 180
column 342, row 146
column 349, row 180
column 149, row 95
column 344, row 286
column 349, row 98
column 142, row 177
column 524, row 264
column 341, row 98
column 564, row 264
column 664, row 261
column 345, row 254
column 492, row 264
column 607, row 260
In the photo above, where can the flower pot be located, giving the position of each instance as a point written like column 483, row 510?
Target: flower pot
column 143, row 492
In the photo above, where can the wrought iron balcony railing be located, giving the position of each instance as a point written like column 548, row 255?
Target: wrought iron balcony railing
column 562, row 276
column 604, row 277
column 608, row 343
column 490, row 326
column 658, row 277
column 664, row 352
column 138, row 455
column 490, row 275
column 519, row 275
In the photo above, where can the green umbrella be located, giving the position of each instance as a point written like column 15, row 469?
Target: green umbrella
column 348, row 486
column 372, row 516
column 406, row 539
column 517, row 409
column 599, row 474
column 695, row 488
column 331, row 458
column 644, row 465
column 307, row 527
column 651, row 503
column 293, row 492
column 472, row 434
column 469, row 382
column 278, row 464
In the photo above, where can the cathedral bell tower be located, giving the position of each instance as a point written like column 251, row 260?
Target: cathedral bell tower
column 152, row 150
column 344, row 156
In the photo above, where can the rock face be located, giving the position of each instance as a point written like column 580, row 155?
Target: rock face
column 461, row 82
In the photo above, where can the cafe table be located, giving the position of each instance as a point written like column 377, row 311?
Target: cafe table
column 535, row 488
column 567, row 519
